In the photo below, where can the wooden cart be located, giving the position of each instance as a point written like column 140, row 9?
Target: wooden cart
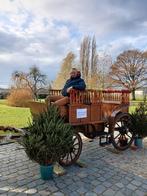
column 94, row 113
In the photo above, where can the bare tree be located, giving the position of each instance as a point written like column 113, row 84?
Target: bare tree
column 94, row 67
column 64, row 71
column 18, row 81
column 94, row 57
column 85, row 57
column 33, row 80
column 104, row 64
column 130, row 70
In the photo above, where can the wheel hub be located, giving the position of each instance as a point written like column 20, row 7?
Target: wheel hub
column 123, row 130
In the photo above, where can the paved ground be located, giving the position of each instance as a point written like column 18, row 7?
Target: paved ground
column 108, row 173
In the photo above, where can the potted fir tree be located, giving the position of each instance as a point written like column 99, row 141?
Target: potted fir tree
column 47, row 140
column 139, row 119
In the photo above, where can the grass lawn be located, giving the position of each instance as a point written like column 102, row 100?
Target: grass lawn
column 14, row 116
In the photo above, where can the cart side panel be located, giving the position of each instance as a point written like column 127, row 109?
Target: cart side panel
column 99, row 105
column 108, row 108
column 74, row 113
column 96, row 112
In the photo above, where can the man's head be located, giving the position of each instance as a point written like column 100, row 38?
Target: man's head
column 74, row 73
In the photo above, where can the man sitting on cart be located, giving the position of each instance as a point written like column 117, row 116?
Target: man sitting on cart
column 75, row 82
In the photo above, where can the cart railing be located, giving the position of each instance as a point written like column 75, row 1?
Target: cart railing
column 99, row 96
column 96, row 96
column 122, row 96
column 55, row 92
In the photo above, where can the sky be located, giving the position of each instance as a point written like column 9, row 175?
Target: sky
column 42, row 32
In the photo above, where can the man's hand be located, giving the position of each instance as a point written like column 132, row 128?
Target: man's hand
column 69, row 89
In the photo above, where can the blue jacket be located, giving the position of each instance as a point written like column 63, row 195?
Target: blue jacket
column 77, row 83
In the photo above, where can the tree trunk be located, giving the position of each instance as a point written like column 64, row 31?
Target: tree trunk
column 133, row 94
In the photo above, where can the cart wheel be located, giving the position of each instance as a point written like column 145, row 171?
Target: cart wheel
column 72, row 156
column 122, row 135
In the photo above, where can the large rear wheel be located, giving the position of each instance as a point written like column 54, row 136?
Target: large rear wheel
column 122, row 134
column 72, row 156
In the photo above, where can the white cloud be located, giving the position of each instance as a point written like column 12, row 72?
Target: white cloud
column 41, row 32
column 117, row 46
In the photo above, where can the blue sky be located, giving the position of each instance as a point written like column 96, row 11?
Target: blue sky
column 42, row 32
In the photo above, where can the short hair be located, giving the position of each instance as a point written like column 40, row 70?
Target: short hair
column 74, row 69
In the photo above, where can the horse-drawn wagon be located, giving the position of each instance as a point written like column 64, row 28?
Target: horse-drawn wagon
column 95, row 113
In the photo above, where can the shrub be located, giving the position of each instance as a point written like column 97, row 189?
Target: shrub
column 139, row 119
column 19, row 97
column 48, row 137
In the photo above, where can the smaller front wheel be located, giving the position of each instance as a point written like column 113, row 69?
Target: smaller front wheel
column 122, row 134
column 72, row 156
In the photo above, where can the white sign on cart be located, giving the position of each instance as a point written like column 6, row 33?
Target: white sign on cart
column 82, row 113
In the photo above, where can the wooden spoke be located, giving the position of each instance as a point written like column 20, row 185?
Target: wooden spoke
column 117, row 136
column 74, row 152
column 128, row 135
column 76, row 144
column 67, row 156
column 71, row 158
column 117, row 142
column 118, row 124
column 74, row 139
column 75, row 148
